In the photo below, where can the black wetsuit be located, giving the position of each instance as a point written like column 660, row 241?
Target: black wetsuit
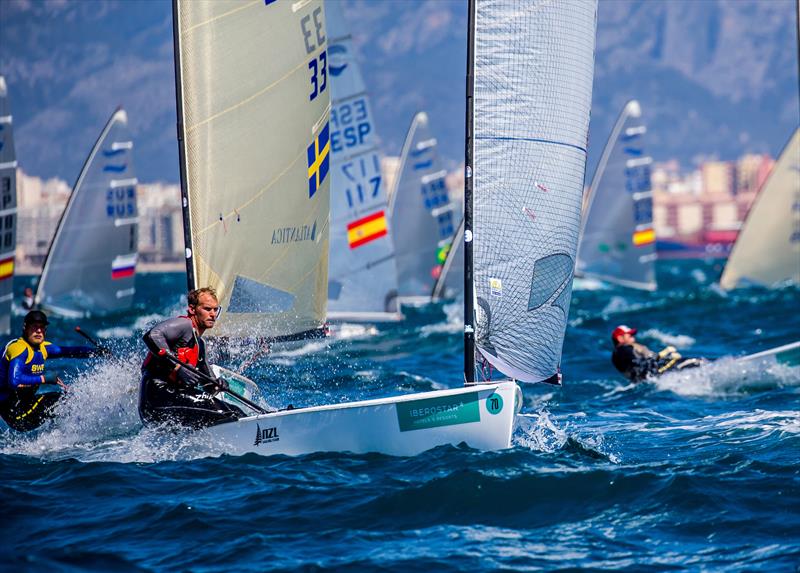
column 167, row 395
column 637, row 362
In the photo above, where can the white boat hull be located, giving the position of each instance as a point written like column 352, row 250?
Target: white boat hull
column 482, row 416
column 788, row 354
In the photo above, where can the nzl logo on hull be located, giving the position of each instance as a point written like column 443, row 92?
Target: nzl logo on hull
column 266, row 435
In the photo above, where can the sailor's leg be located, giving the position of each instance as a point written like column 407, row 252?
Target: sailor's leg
column 161, row 401
column 27, row 409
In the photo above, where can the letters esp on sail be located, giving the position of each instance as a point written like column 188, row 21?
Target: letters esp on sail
column 8, row 208
column 253, row 84
column 363, row 277
column 618, row 242
column 91, row 264
column 423, row 217
column 533, row 69
column 767, row 250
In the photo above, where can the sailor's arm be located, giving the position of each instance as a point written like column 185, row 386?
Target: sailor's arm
column 57, row 351
column 164, row 335
column 18, row 377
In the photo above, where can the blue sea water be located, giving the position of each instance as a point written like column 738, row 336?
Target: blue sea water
column 697, row 471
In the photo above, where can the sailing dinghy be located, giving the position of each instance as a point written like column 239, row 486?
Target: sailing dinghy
column 228, row 94
column 362, row 286
column 91, row 264
column 422, row 215
column 617, row 243
column 449, row 284
column 8, row 209
column 767, row 251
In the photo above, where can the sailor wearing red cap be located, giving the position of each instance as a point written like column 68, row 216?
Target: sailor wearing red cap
column 637, row 362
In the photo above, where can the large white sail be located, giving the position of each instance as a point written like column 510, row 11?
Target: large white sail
column 618, row 243
column 767, row 250
column 91, row 265
column 363, row 277
column 533, row 72
column 422, row 216
column 253, row 88
column 8, row 208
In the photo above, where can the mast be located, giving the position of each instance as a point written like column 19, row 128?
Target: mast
column 469, row 311
column 187, row 229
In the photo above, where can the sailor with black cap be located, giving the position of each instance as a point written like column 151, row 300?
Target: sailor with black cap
column 27, row 391
column 637, row 362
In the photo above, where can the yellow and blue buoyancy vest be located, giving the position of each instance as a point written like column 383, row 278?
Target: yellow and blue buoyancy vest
column 21, row 364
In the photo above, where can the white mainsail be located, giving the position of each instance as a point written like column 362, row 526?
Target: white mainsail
column 8, row 208
column 363, row 277
column 534, row 62
column 618, row 242
column 422, row 218
column 253, row 89
column 767, row 250
column 91, row 265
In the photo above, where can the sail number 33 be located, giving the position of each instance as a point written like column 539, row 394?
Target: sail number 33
column 313, row 30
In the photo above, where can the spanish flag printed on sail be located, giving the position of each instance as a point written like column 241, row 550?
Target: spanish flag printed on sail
column 367, row 229
column 318, row 160
column 7, row 267
column 644, row 237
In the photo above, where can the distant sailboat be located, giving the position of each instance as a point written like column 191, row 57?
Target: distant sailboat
column 450, row 282
column 362, row 286
column 767, row 250
column 617, row 243
column 8, row 208
column 422, row 215
column 91, row 263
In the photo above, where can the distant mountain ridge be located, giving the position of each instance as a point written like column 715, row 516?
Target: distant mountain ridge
column 714, row 77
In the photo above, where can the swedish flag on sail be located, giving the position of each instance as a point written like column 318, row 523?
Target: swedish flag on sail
column 318, row 160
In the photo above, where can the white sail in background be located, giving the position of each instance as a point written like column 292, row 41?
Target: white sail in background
column 618, row 242
column 91, row 265
column 8, row 208
column 363, row 277
column 450, row 282
column 534, row 62
column 767, row 250
column 253, row 95
column 422, row 216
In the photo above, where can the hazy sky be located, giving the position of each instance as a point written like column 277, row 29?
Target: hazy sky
column 714, row 77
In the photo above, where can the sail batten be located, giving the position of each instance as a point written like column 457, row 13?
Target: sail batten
column 254, row 110
column 617, row 243
column 8, row 208
column 533, row 75
column 91, row 264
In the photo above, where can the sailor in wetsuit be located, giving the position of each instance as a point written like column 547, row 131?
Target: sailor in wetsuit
column 172, row 393
column 27, row 392
column 637, row 362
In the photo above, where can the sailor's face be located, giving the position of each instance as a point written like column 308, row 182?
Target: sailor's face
column 206, row 311
column 34, row 333
column 627, row 338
